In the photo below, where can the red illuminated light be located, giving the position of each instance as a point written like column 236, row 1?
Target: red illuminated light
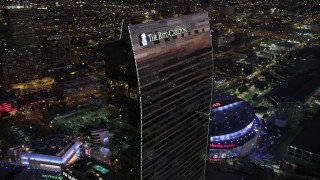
column 38, row 102
column 7, row 107
column 218, row 146
column 215, row 159
column 216, row 104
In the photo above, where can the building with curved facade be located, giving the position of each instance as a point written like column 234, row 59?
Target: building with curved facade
column 100, row 136
column 159, row 75
column 234, row 128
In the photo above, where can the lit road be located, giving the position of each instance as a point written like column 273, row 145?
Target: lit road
column 281, row 34
column 306, row 21
column 274, row 35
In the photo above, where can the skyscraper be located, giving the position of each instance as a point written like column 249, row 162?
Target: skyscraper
column 56, row 50
column 159, row 76
column 3, row 29
column 21, row 25
column 18, row 66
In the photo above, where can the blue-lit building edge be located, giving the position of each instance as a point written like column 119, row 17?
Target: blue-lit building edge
column 235, row 144
column 35, row 159
column 303, row 154
column 239, row 128
column 239, row 137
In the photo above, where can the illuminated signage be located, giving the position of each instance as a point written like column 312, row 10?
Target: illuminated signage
column 215, row 159
column 160, row 35
column 48, row 176
column 66, row 175
column 143, row 38
column 7, row 107
column 216, row 104
column 222, row 145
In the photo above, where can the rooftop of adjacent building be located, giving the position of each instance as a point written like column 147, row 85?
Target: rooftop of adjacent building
column 49, row 146
column 6, row 96
column 306, row 138
column 300, row 87
column 89, row 168
column 100, row 129
column 37, row 96
column 74, row 83
column 22, row 172
column 63, row 71
column 312, row 50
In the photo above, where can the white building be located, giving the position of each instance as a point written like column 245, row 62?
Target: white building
column 50, row 152
column 100, row 136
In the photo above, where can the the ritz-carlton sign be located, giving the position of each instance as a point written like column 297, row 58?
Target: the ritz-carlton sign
column 160, row 35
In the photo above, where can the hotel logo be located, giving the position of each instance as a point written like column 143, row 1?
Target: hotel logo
column 143, row 38
column 160, row 35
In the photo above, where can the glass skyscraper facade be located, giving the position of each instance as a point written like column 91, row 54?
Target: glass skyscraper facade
column 159, row 78
column 21, row 25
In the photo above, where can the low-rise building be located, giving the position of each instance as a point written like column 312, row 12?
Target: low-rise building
column 81, row 87
column 86, row 169
column 304, row 146
column 100, row 136
column 50, row 152
column 39, row 99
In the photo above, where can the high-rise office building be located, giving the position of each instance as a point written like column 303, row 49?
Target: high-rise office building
column 3, row 29
column 159, row 77
column 21, row 25
column 56, row 51
column 18, row 66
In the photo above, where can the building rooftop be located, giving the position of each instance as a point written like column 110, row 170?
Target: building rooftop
column 74, row 83
column 37, row 97
column 8, row 171
column 306, row 138
column 89, row 168
column 22, row 172
column 5, row 96
column 313, row 50
column 299, row 87
column 63, row 71
column 286, row 44
column 50, row 146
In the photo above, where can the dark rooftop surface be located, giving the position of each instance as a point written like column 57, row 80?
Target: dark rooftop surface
column 310, row 50
column 307, row 138
column 38, row 174
column 64, row 71
column 8, row 171
column 21, row 172
column 51, row 145
column 88, row 168
column 5, row 96
column 299, row 87
column 286, row 44
column 38, row 96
